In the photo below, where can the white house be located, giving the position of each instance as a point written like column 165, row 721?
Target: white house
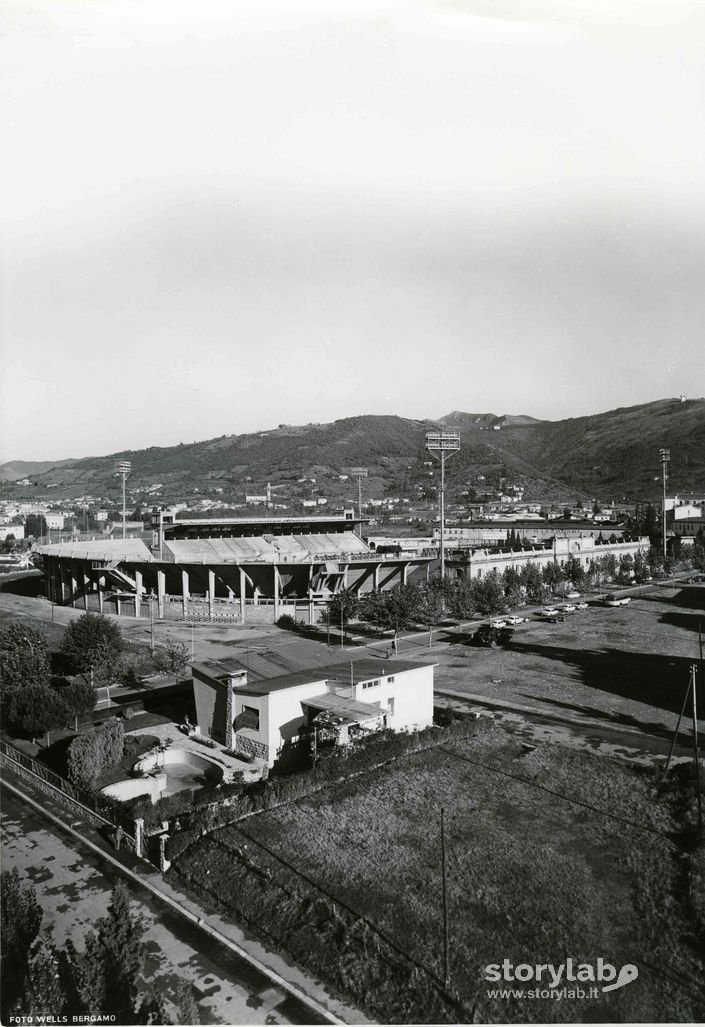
column 337, row 702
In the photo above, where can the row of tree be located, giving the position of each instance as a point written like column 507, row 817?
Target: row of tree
column 38, row 979
column 489, row 595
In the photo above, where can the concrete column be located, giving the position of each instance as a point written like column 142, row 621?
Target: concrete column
column 86, row 587
column 161, row 589
column 101, row 592
column 139, row 837
column 311, row 608
column 211, row 592
column 404, row 572
column 185, row 592
column 74, row 584
column 345, row 576
column 378, row 567
column 139, row 592
column 164, row 863
column 276, row 591
column 255, row 597
column 243, row 590
column 118, row 607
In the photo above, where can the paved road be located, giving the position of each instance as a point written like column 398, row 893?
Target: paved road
column 73, row 887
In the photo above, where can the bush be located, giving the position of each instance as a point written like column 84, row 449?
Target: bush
column 287, row 622
column 91, row 754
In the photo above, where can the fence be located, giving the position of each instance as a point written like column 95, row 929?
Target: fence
column 57, row 787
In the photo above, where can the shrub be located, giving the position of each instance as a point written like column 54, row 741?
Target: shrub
column 287, row 622
column 91, row 754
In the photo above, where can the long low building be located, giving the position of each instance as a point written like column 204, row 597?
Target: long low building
column 335, row 703
column 586, row 549
column 215, row 569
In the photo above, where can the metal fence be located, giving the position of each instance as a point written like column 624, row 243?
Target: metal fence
column 59, row 788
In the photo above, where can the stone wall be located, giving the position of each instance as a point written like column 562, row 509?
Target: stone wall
column 251, row 746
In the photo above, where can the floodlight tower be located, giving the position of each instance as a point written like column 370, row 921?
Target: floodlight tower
column 665, row 455
column 123, row 468
column 359, row 473
column 443, row 444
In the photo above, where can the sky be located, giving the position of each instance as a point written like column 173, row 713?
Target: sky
column 223, row 216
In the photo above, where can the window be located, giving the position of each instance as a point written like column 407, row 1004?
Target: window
column 247, row 717
column 390, row 681
column 370, row 684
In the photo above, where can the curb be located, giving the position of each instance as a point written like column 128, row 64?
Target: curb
column 272, row 975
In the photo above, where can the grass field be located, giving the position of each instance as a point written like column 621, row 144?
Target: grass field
column 550, row 854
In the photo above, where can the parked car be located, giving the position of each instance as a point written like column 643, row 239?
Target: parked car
column 569, row 608
column 549, row 611
column 489, row 636
column 515, row 620
column 581, row 606
column 613, row 601
column 499, row 623
column 572, row 595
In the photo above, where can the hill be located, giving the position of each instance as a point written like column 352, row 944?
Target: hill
column 608, row 455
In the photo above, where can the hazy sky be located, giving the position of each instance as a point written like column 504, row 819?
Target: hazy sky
column 220, row 216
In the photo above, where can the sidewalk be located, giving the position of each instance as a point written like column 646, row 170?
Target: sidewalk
column 296, row 982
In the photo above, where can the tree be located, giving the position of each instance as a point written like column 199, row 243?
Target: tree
column 433, row 604
column 397, row 609
column 44, row 994
column 343, row 607
column 36, row 525
column 24, row 657
column 109, row 969
column 489, row 595
column 460, row 598
column 574, row 571
column 79, row 697
column 172, row 658
column 38, row 709
column 21, row 918
column 530, row 576
column 186, row 1004
column 92, row 645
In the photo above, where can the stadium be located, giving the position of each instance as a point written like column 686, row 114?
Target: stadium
column 240, row 569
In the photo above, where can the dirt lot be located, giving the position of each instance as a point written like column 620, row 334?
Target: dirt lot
column 627, row 666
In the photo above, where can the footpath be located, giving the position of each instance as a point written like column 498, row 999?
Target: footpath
column 310, row 993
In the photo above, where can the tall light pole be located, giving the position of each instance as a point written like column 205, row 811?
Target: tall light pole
column 359, row 473
column 123, row 469
column 665, row 455
column 443, row 444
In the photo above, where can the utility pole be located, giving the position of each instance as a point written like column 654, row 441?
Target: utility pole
column 443, row 444
column 446, row 968
column 665, row 455
column 123, row 469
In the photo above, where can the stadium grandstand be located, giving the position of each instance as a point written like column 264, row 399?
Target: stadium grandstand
column 227, row 569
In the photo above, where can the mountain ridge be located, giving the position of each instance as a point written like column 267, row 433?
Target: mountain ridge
column 613, row 453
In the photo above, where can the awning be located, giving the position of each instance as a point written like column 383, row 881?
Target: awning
column 336, row 711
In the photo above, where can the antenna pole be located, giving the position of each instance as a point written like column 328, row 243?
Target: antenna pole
column 446, row 968
column 696, row 750
column 678, row 727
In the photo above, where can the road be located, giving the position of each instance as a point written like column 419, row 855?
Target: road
column 73, row 888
